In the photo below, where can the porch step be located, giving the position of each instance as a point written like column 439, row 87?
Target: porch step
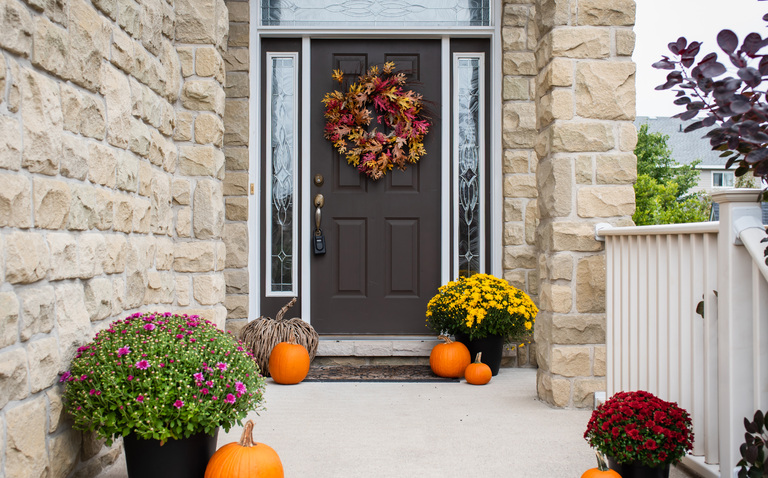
column 333, row 350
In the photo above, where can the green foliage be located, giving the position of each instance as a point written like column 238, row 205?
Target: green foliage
column 662, row 189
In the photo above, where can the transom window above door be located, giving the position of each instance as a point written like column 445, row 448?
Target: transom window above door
column 371, row 13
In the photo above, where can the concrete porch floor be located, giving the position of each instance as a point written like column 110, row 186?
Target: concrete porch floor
column 376, row 430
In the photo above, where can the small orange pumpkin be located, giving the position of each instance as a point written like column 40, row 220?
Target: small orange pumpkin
column 449, row 359
column 478, row 373
column 245, row 459
column 602, row 470
column 289, row 362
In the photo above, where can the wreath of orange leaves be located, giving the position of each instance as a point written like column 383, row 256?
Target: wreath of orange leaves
column 348, row 117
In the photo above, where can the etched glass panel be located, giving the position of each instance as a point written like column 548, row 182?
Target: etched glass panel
column 373, row 13
column 468, row 158
column 282, row 134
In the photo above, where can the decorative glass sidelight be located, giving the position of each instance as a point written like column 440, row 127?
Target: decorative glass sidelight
column 281, row 124
column 468, row 153
column 372, row 13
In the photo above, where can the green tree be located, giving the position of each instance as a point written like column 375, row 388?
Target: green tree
column 662, row 190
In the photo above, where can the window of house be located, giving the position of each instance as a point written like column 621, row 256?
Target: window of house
column 722, row 179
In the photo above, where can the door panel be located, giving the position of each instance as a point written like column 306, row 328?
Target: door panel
column 382, row 237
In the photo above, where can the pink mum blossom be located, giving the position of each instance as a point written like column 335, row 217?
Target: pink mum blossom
column 149, row 327
column 140, row 399
column 178, row 404
column 142, row 365
column 123, row 351
column 240, row 387
column 230, row 398
column 222, row 366
column 199, row 377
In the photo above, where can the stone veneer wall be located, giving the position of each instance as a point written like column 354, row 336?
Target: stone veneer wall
column 585, row 102
column 111, row 195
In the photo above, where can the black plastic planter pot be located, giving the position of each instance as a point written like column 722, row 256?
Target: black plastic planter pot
column 491, row 346
column 634, row 470
column 187, row 457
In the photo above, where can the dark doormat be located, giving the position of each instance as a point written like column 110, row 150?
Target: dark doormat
column 374, row 373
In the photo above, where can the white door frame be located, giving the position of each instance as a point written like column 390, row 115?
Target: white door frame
column 255, row 253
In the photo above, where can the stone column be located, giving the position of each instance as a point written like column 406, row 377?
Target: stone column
column 585, row 106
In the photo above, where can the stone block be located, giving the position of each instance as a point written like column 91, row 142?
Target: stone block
column 514, row 234
column 573, row 236
column 627, row 136
column 14, row 383
column 201, row 161
column 513, row 209
column 519, row 257
column 558, row 72
column 25, row 454
column 571, row 361
column 184, row 222
column 15, row 201
column 52, row 200
column 161, row 215
column 221, row 256
column 116, row 250
column 584, row 391
column 26, row 257
column 184, row 122
column 93, row 118
column 9, row 319
column 170, row 66
column 152, row 25
column 519, row 64
column 56, row 415
column 89, row 41
column 556, row 298
column 98, row 298
column 584, row 169
column 625, row 42
column 64, row 261
column 183, row 290
column 590, row 284
column 581, row 42
column 127, row 172
column 104, row 210
column 236, row 184
column 71, row 107
column 16, row 28
column 236, row 158
column 72, row 319
column 52, row 45
column 237, row 85
column 194, row 256
column 181, row 191
column 605, row 201
column 236, row 123
column 555, row 184
column 607, row 12
column 236, row 208
column 118, row 296
column 203, row 95
column 74, row 158
column 193, row 21
column 63, row 450
column 519, row 186
column 122, row 50
column 114, row 89
column 579, row 137
column 123, row 217
column 235, row 237
column 10, row 140
column 139, row 139
column 238, row 35
column 515, row 162
column 209, row 129
column 160, row 288
column 207, row 61
column 516, row 88
column 618, row 168
column 531, row 222
column 83, row 208
column 598, row 367
column 209, row 289
column 578, row 329
column 208, row 209
column 556, row 105
column 164, row 254
column 605, row 90
column 43, row 123
column 236, row 59
column 44, row 363
column 91, row 249
column 37, row 311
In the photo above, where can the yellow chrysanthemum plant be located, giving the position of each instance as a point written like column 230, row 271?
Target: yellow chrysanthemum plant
column 479, row 306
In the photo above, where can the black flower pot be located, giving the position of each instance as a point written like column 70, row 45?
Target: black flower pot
column 492, row 347
column 187, row 457
column 636, row 470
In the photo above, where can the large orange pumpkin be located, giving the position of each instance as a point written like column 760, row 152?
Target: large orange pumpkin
column 449, row 359
column 478, row 373
column 245, row 459
column 289, row 362
column 602, row 470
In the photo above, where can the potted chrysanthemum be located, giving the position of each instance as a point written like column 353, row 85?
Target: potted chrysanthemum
column 482, row 311
column 640, row 433
column 162, row 381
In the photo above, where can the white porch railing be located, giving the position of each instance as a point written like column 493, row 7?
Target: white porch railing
column 715, row 366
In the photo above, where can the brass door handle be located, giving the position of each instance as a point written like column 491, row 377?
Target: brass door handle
column 319, row 203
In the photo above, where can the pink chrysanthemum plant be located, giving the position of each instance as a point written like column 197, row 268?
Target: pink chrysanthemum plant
column 161, row 376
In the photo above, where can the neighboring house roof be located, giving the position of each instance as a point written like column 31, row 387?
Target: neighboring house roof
column 686, row 147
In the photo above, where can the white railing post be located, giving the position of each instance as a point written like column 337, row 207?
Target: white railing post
column 735, row 322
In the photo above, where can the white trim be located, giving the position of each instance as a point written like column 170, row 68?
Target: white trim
column 254, row 169
column 268, row 292
column 481, row 172
column 496, row 151
column 306, row 256
column 445, row 162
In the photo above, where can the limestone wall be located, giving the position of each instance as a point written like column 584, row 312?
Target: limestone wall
column 111, row 195
column 585, row 103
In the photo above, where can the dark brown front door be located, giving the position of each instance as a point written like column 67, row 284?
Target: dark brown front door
column 382, row 263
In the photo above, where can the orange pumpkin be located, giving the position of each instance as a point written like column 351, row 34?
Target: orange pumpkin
column 602, row 470
column 478, row 373
column 449, row 359
column 245, row 459
column 289, row 362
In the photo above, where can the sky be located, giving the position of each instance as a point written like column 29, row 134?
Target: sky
column 659, row 22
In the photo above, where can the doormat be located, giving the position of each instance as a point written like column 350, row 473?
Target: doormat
column 374, row 373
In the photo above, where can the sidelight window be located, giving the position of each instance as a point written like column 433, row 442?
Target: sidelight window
column 281, row 131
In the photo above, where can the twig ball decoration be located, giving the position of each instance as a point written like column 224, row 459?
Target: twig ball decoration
column 261, row 336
